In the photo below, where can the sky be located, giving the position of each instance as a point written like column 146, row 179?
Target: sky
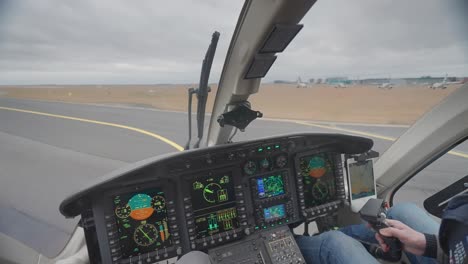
column 148, row 41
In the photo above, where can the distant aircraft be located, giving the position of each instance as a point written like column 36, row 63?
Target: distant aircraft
column 443, row 84
column 386, row 86
column 340, row 85
column 301, row 84
column 440, row 85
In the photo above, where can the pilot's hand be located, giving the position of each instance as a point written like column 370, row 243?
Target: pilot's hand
column 413, row 241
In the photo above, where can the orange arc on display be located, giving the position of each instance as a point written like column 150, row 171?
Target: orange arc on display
column 317, row 173
column 141, row 214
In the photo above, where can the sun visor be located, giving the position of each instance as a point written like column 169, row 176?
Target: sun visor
column 260, row 66
column 280, row 37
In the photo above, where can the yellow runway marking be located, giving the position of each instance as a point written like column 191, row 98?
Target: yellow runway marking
column 138, row 130
column 362, row 133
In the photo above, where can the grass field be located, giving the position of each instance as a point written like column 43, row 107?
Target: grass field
column 361, row 104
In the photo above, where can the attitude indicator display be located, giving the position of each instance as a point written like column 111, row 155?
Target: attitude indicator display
column 142, row 222
column 214, row 205
column 319, row 178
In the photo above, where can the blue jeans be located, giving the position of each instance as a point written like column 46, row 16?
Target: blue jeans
column 333, row 247
column 336, row 247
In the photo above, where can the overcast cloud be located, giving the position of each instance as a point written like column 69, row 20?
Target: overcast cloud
column 150, row 41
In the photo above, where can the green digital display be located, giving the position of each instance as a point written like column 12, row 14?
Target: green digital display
column 319, row 178
column 274, row 212
column 142, row 222
column 214, row 205
column 270, row 186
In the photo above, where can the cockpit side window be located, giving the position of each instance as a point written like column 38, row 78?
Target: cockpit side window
column 442, row 172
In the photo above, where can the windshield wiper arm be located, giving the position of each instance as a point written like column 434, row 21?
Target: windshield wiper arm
column 202, row 92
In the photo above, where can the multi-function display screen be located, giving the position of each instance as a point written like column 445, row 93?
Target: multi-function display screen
column 142, row 222
column 270, row 186
column 274, row 212
column 362, row 179
column 214, row 205
column 319, row 178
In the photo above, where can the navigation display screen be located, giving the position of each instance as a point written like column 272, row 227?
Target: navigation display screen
column 274, row 212
column 142, row 222
column 319, row 178
column 270, row 186
column 362, row 179
column 214, row 205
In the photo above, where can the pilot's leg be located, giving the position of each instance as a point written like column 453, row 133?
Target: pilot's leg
column 409, row 214
column 333, row 247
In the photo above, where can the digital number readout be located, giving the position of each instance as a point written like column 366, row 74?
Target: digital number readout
column 214, row 205
column 142, row 222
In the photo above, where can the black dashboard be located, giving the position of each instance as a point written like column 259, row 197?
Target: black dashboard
column 211, row 198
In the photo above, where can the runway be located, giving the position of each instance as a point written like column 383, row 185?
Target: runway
column 63, row 145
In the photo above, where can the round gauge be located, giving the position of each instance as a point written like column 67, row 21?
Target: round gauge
column 264, row 163
column 145, row 235
column 210, row 192
column 320, row 190
column 158, row 202
column 281, row 161
column 317, row 167
column 123, row 211
column 141, row 206
column 250, row 167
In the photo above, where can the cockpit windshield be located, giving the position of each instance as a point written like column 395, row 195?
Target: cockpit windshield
column 87, row 87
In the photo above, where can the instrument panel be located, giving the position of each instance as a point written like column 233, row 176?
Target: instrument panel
column 142, row 222
column 210, row 198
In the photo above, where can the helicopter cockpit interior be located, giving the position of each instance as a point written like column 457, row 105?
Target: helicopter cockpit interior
column 236, row 202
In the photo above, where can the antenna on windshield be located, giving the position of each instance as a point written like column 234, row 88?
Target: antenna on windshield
column 202, row 93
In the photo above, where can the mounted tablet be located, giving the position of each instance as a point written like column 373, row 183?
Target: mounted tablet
column 361, row 182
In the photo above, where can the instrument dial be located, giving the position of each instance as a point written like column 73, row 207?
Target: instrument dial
column 250, row 167
column 123, row 211
column 281, row 161
column 145, row 235
column 158, row 202
column 265, row 163
column 320, row 190
column 210, row 192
